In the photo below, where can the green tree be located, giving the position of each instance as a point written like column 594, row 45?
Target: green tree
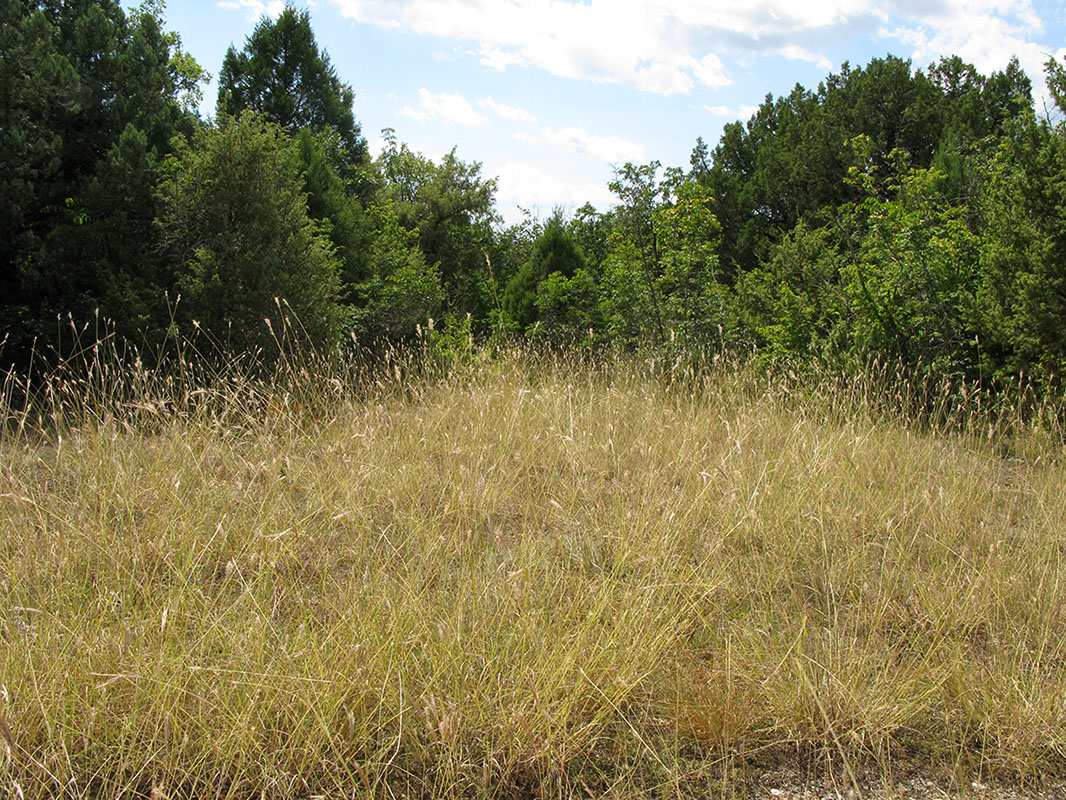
column 342, row 215
column 238, row 236
column 568, row 309
column 635, row 250
column 556, row 257
column 789, row 162
column 1023, row 253
column 697, row 306
column 591, row 231
column 282, row 75
column 89, row 101
column 912, row 274
column 402, row 291
column 794, row 306
column 452, row 209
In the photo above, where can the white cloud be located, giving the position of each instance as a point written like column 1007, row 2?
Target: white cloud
column 643, row 44
column 497, row 59
column 743, row 112
column 449, row 107
column 673, row 46
column 986, row 33
column 608, row 149
column 974, row 31
column 710, row 71
column 794, row 53
column 533, row 188
column 256, row 8
column 508, row 112
column 413, row 113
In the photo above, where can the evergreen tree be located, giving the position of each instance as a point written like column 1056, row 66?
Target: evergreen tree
column 89, row 101
column 555, row 256
column 282, row 75
column 451, row 206
column 248, row 258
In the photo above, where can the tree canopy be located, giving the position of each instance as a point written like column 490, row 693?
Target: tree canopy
column 89, row 101
column 281, row 74
column 887, row 213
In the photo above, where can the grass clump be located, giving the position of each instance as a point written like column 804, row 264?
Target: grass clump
column 520, row 577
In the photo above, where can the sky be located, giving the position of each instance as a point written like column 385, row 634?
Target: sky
column 551, row 95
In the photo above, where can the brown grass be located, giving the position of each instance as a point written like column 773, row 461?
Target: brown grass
column 517, row 578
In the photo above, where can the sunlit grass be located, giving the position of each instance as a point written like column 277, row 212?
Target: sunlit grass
column 517, row 577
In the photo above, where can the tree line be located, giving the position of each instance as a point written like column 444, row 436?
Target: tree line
column 892, row 212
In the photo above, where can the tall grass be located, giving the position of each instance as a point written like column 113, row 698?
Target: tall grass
column 517, row 576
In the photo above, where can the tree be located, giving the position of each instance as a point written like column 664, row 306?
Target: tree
column 89, row 101
column 282, row 75
column 1023, row 253
column 344, row 218
column 911, row 276
column 555, row 256
column 402, row 291
column 789, row 162
column 238, row 236
column 451, row 206
column 793, row 306
column 638, row 191
column 696, row 305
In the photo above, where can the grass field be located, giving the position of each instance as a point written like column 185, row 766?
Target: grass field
column 521, row 578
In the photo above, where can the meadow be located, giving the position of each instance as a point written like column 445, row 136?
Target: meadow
column 523, row 576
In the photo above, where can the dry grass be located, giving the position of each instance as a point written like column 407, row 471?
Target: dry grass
column 524, row 578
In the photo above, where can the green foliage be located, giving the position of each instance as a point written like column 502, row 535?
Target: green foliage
column 789, row 162
column 238, row 235
column 554, row 254
column 338, row 212
column 282, row 75
column 626, row 297
column 450, row 206
column 591, row 231
column 793, row 305
column 912, row 277
column 890, row 212
column 185, row 72
column 568, row 309
column 696, row 305
column 520, row 297
column 662, row 279
column 403, row 292
column 1056, row 82
column 1024, row 291
column 894, row 275
column 631, row 270
column 89, row 101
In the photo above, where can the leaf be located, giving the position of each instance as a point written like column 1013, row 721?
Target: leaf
column 5, row 732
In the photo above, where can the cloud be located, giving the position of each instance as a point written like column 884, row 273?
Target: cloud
column 673, row 47
column 795, row 53
column 642, row 44
column 449, row 107
column 986, row 33
column 743, row 112
column 977, row 31
column 256, row 9
column 608, row 149
column 531, row 187
column 511, row 113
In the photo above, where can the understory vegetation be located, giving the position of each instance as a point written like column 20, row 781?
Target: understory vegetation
column 472, row 574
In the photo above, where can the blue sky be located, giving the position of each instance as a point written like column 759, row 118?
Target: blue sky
column 550, row 95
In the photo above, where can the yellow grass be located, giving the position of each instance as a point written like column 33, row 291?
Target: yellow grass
column 524, row 578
